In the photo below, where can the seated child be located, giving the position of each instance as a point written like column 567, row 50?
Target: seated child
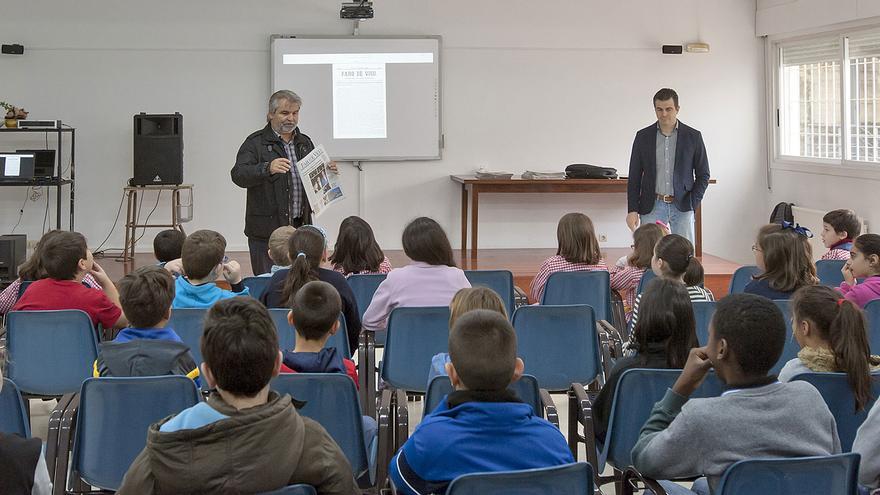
column 167, row 245
column 867, row 445
column 314, row 312
column 833, row 338
column 278, row 249
column 839, row 228
column 665, row 334
column 482, row 426
column 147, row 347
column 67, row 259
column 577, row 250
column 466, row 300
column 356, row 250
column 201, row 262
column 785, row 258
column 757, row 417
column 864, row 263
column 244, row 438
column 32, row 270
column 24, row 467
column 626, row 278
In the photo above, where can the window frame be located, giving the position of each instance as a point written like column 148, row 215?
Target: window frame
column 845, row 166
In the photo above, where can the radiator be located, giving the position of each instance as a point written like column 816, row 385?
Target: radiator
column 812, row 219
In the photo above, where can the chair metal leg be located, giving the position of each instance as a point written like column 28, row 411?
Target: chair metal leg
column 54, row 427
column 549, row 407
column 401, row 419
column 65, row 443
column 581, row 413
column 386, row 437
column 630, row 478
column 367, row 373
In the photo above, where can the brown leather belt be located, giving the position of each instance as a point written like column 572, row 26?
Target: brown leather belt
column 666, row 198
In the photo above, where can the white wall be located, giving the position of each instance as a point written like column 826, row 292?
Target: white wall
column 525, row 85
column 788, row 16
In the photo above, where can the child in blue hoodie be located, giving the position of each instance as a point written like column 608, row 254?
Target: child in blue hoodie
column 314, row 311
column 481, row 427
column 201, row 262
column 147, row 347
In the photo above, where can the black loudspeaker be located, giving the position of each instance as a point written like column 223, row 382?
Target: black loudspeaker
column 12, row 254
column 158, row 149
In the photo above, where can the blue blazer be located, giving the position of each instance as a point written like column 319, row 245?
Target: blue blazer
column 690, row 176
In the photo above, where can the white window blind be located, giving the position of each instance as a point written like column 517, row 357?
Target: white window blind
column 864, row 70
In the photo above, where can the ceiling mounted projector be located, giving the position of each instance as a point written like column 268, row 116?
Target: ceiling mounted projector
column 356, row 10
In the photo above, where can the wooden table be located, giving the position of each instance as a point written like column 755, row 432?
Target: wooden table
column 474, row 186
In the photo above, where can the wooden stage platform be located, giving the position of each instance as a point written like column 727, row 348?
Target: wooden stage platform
column 524, row 264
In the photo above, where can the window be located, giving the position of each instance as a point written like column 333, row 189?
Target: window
column 815, row 78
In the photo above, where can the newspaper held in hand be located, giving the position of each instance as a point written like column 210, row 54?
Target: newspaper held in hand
column 322, row 185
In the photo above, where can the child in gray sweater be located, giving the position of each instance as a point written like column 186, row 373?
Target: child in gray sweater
column 867, row 444
column 757, row 417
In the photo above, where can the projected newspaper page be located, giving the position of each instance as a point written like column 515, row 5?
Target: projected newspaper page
column 359, row 101
column 322, row 185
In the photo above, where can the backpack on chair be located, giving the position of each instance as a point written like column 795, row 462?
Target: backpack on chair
column 782, row 211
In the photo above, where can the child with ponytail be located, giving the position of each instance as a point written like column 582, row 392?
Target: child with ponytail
column 308, row 248
column 864, row 263
column 833, row 337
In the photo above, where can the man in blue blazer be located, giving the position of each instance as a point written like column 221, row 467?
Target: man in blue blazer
column 668, row 170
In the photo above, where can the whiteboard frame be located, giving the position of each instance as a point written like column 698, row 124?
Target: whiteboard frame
column 440, row 139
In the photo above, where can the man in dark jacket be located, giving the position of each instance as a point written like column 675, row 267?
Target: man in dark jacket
column 245, row 438
column 266, row 167
column 668, row 170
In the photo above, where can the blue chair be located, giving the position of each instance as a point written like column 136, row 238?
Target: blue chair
column 703, row 312
column 50, row 352
column 526, row 388
column 501, row 281
column 741, row 277
column 829, row 273
column 112, row 420
column 415, row 335
column 364, row 286
column 287, row 333
column 839, row 397
column 256, row 285
column 188, row 323
column 646, row 278
column 332, row 400
column 592, row 288
column 636, row 393
column 569, row 479
column 872, row 312
column 13, row 415
column 559, row 344
column 827, row 475
column 293, row 490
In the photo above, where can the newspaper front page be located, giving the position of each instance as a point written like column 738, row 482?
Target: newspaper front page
column 322, row 185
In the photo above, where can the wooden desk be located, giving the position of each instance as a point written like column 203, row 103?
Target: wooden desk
column 516, row 185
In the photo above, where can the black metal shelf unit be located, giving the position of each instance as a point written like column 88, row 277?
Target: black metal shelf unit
column 58, row 182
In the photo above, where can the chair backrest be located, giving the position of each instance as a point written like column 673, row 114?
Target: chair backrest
column 501, row 281
column 839, row 398
column 23, row 287
column 331, row 400
column 634, row 398
column 293, row 490
column 828, row 475
column 256, row 285
column 568, row 479
column 113, row 418
column 188, row 323
column 364, row 286
column 741, row 277
column 829, row 272
column 646, row 278
column 872, row 312
column 13, row 415
column 526, row 388
column 558, row 344
column 287, row 333
column 704, row 310
column 592, row 288
column 415, row 335
column 50, row 352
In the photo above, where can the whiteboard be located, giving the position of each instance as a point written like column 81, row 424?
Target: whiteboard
column 364, row 97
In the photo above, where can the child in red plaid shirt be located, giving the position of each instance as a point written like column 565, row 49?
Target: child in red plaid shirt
column 625, row 278
column 578, row 250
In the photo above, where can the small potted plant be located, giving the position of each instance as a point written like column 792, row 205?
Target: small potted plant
column 13, row 114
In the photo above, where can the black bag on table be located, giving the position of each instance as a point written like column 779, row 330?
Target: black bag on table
column 584, row 171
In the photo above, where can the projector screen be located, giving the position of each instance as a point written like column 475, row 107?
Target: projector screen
column 364, row 98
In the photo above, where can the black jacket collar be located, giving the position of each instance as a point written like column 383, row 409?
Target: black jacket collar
column 459, row 397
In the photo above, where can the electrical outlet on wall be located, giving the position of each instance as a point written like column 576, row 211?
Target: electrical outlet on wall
column 603, row 238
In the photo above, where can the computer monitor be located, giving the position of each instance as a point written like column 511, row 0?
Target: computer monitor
column 44, row 163
column 16, row 167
